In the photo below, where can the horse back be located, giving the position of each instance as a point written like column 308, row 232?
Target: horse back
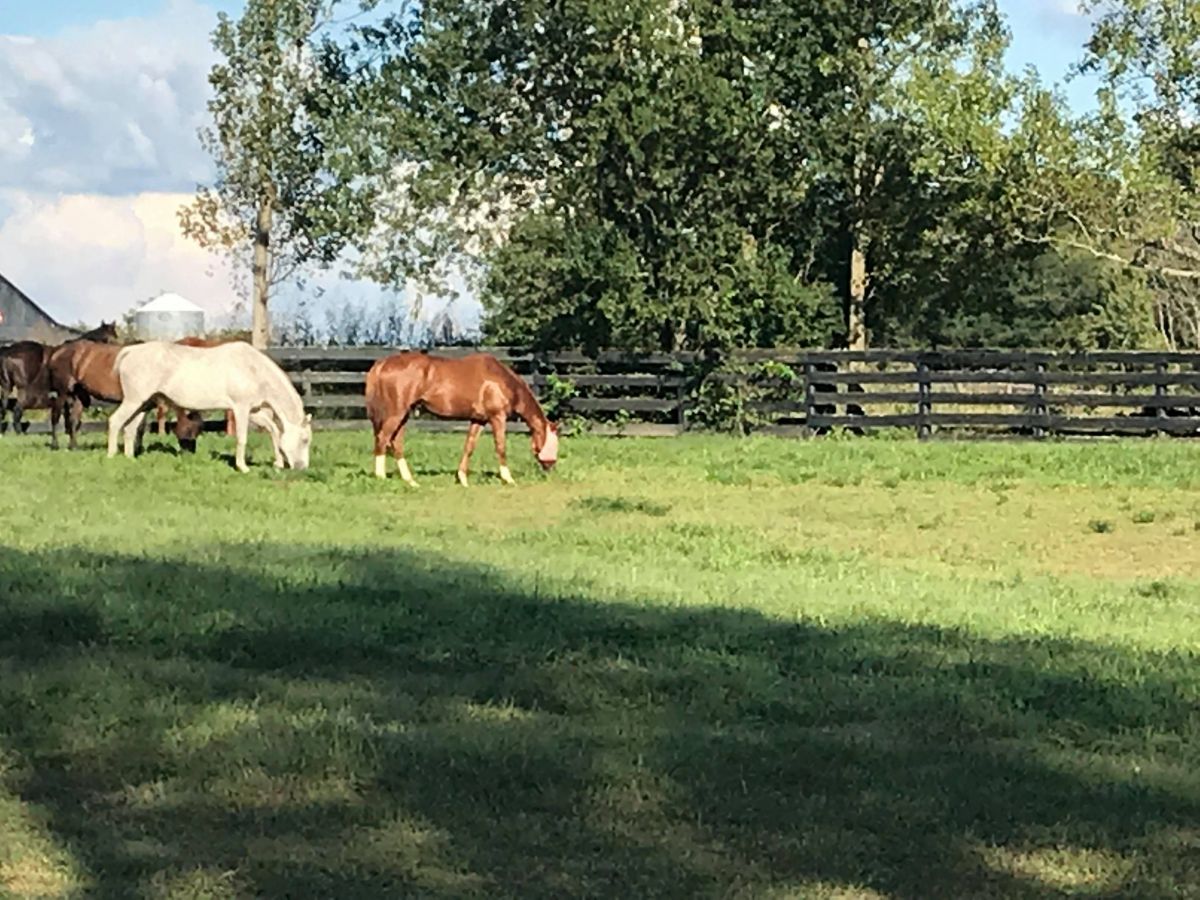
column 476, row 387
column 89, row 364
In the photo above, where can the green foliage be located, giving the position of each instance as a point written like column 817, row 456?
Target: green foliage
column 556, row 403
column 729, row 396
column 586, row 286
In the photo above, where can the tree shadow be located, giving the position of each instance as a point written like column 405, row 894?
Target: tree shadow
column 387, row 724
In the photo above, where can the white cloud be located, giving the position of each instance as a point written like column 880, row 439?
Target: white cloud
column 98, row 149
column 109, row 108
column 87, row 257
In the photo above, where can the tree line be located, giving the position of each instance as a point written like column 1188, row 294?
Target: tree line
column 702, row 174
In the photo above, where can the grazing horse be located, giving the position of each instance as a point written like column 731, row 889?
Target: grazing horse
column 81, row 371
column 23, row 372
column 232, row 376
column 160, row 414
column 24, row 369
column 478, row 388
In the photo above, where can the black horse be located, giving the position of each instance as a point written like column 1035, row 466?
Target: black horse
column 25, row 376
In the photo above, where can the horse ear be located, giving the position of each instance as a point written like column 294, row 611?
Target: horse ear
column 308, row 417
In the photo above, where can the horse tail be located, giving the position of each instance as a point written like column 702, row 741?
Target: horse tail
column 376, row 402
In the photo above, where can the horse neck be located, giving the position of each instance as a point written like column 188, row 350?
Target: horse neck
column 526, row 407
column 289, row 406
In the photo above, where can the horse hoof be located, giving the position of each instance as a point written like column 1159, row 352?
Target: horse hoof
column 462, row 479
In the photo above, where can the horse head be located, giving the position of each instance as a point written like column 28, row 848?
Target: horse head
column 106, row 333
column 295, row 440
column 546, row 450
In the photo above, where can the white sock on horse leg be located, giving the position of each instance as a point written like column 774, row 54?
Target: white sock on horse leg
column 402, row 465
column 381, row 466
column 506, row 476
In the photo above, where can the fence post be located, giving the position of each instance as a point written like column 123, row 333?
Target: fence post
column 809, row 397
column 681, row 398
column 1160, row 392
column 1041, row 411
column 924, row 403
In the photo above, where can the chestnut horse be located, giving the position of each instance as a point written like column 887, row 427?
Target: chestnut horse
column 81, row 371
column 160, row 413
column 478, row 388
column 24, row 369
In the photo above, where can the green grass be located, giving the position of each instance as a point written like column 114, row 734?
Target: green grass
column 700, row 667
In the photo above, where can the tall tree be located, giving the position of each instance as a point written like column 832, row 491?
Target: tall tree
column 693, row 173
column 280, row 201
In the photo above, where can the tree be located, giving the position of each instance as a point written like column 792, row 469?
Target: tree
column 280, row 201
column 691, row 175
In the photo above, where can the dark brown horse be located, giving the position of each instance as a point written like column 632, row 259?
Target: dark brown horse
column 24, row 370
column 81, row 371
column 160, row 412
column 477, row 388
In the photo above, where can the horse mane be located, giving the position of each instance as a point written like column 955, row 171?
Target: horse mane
column 524, row 397
column 281, row 384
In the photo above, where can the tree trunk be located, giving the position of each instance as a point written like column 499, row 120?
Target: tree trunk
column 856, row 304
column 260, row 334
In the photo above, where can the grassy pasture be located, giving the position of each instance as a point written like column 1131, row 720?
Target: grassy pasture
column 700, row 667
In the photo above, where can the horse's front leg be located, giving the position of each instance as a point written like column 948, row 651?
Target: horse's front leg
column 468, row 449
column 499, row 429
column 241, row 418
column 265, row 420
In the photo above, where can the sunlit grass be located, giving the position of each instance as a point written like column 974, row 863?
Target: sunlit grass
column 687, row 667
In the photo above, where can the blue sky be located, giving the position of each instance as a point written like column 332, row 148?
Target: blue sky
column 99, row 106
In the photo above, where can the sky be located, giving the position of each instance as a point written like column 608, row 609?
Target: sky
column 99, row 108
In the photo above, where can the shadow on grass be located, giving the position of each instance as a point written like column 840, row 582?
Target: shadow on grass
column 331, row 724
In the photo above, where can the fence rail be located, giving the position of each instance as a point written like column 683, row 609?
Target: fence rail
column 802, row 392
column 786, row 391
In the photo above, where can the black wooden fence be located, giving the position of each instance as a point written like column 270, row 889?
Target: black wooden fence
column 810, row 392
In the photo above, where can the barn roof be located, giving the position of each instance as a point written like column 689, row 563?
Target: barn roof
column 25, row 299
column 170, row 303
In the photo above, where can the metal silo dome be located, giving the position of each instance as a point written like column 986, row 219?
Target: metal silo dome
column 168, row 317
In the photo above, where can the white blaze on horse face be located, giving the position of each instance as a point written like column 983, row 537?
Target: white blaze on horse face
column 381, row 466
column 548, row 455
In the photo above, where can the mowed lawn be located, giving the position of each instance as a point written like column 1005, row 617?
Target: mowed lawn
column 702, row 667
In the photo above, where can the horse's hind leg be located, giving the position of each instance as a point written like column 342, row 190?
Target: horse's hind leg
column 72, row 420
column 16, row 409
column 134, row 432
column 390, row 433
column 121, row 417
column 56, row 411
column 468, row 449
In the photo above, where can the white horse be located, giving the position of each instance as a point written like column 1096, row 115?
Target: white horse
column 232, row 376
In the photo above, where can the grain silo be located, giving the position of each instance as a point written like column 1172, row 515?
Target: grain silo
column 168, row 317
